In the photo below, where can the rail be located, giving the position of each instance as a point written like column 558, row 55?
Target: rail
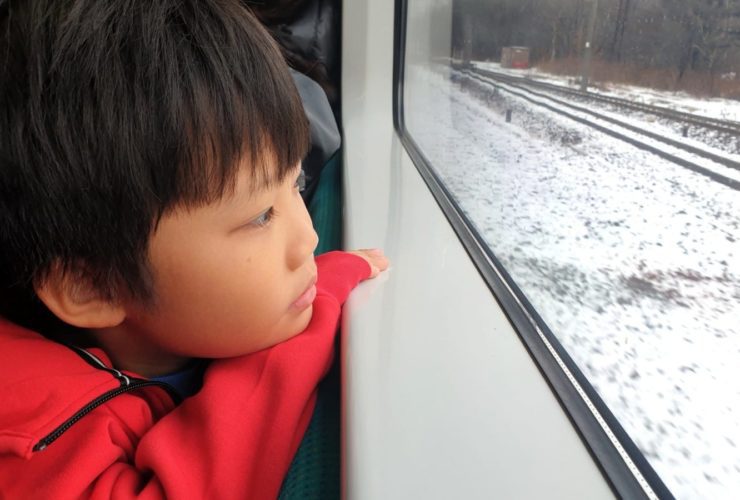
column 514, row 86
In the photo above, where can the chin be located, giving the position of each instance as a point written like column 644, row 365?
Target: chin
column 303, row 320
column 296, row 326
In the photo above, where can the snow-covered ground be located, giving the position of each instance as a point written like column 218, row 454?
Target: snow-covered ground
column 724, row 109
column 624, row 120
column 632, row 261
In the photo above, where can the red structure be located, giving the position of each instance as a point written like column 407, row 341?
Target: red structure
column 515, row 57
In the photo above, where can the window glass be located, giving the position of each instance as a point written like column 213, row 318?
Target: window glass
column 595, row 146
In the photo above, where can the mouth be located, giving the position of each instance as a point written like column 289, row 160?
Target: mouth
column 307, row 297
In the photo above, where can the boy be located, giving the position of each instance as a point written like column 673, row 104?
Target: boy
column 150, row 216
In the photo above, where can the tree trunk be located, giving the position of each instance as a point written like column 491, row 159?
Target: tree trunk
column 687, row 54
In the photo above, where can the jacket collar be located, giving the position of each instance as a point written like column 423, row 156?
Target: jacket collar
column 43, row 383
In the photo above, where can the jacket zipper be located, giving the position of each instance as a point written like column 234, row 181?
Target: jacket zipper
column 128, row 384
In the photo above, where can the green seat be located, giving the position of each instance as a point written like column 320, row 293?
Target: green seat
column 326, row 206
column 314, row 472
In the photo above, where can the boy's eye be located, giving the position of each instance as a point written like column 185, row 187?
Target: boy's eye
column 263, row 219
column 300, row 182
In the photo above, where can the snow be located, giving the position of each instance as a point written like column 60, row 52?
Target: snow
column 726, row 109
column 632, row 261
column 710, row 165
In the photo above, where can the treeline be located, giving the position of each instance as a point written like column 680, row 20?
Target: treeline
column 677, row 35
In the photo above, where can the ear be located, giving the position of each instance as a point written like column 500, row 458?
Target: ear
column 73, row 299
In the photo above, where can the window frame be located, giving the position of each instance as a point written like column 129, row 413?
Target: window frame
column 622, row 464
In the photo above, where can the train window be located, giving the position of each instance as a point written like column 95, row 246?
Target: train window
column 593, row 146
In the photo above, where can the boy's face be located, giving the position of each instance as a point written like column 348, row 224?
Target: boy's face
column 230, row 278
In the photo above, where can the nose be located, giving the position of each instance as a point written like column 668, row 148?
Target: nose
column 303, row 238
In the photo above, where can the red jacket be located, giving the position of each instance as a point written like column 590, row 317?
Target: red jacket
column 69, row 428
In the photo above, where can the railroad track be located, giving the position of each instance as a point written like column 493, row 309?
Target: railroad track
column 515, row 87
column 716, row 124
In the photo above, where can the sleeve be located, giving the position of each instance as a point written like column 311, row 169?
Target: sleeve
column 339, row 274
column 233, row 439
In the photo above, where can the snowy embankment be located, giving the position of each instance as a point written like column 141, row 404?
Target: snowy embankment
column 632, row 261
column 725, row 109
column 621, row 126
column 718, row 108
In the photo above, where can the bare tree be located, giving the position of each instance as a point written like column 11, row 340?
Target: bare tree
column 614, row 47
column 710, row 29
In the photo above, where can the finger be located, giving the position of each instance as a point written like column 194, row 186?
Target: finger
column 379, row 259
column 375, row 258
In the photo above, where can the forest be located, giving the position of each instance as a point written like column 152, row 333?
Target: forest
column 691, row 45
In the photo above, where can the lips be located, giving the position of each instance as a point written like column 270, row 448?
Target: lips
column 307, row 297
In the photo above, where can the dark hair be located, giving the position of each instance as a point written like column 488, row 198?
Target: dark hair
column 113, row 113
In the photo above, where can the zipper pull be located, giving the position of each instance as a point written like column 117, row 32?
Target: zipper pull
column 124, row 379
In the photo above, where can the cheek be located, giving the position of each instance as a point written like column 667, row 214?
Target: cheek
column 221, row 296
column 206, row 274
column 223, row 310
column 214, row 286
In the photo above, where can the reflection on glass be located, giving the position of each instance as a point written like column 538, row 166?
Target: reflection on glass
column 554, row 123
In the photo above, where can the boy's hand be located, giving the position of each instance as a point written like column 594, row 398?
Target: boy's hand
column 375, row 257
